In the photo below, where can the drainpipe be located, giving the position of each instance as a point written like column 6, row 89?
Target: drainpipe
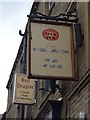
column 22, row 107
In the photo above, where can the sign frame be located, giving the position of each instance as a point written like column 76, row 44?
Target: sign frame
column 73, row 77
column 21, row 93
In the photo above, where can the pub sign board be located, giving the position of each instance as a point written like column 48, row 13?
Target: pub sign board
column 50, row 50
column 24, row 90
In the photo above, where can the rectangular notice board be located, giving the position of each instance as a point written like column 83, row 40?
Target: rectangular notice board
column 50, row 48
column 24, row 90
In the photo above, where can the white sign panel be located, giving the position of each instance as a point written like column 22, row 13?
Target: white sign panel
column 24, row 90
column 51, row 54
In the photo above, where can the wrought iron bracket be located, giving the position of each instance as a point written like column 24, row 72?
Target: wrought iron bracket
column 60, row 17
column 53, row 87
column 20, row 33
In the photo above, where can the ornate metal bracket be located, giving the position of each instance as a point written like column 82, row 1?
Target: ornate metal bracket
column 52, row 87
column 60, row 17
column 20, row 33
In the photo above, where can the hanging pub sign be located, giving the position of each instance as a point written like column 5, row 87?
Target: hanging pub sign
column 24, row 90
column 50, row 50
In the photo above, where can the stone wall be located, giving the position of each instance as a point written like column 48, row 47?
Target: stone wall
column 75, row 93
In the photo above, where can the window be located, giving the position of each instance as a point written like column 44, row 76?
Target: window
column 50, row 4
column 44, row 86
column 71, row 6
column 48, row 115
column 53, row 110
column 56, row 108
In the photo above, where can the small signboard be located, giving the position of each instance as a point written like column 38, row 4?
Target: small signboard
column 24, row 90
column 50, row 50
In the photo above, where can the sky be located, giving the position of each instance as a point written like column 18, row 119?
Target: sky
column 13, row 17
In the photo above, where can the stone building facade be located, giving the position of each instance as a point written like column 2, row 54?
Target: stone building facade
column 73, row 101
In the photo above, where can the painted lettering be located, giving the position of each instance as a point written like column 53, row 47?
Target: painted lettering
column 24, row 95
column 51, row 60
column 51, row 49
column 25, row 80
column 52, row 66
column 24, row 86
column 35, row 49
